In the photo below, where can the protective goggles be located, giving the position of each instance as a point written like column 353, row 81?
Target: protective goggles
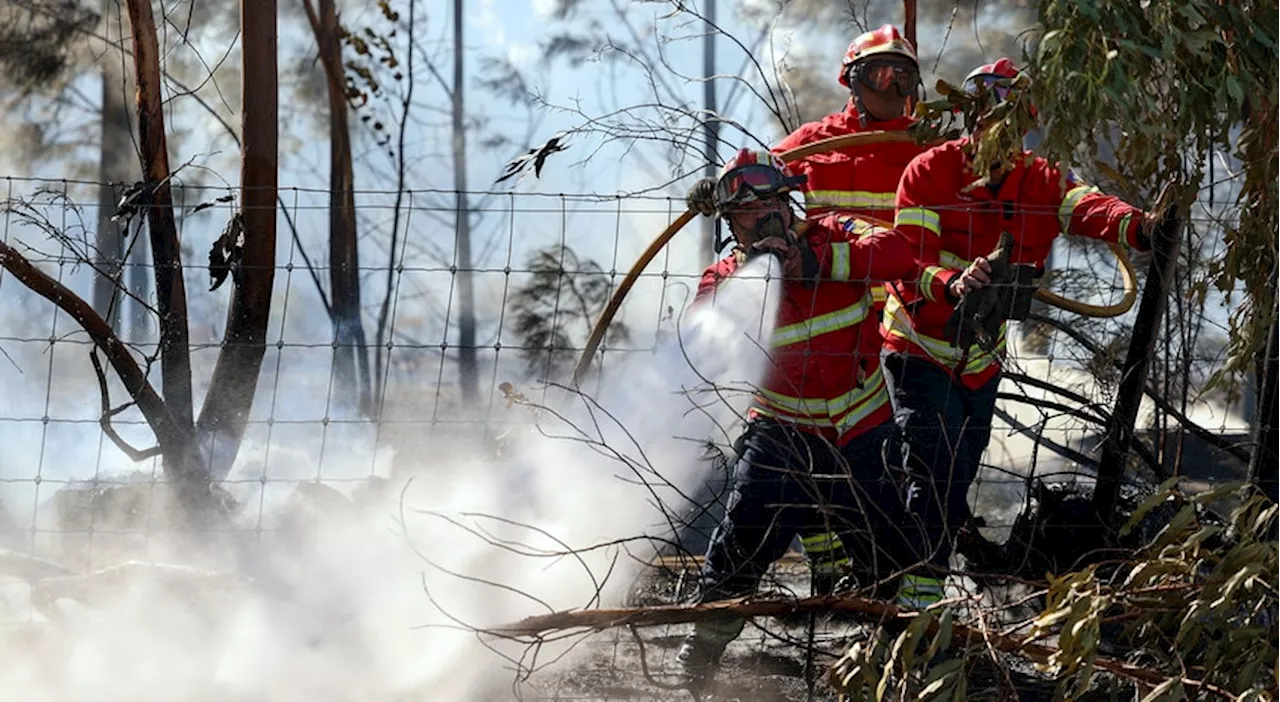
column 1000, row 85
column 753, row 182
column 882, row 75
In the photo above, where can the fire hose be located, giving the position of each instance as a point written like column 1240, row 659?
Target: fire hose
column 839, row 142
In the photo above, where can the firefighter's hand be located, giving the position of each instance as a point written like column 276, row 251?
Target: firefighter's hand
column 701, row 197
column 789, row 253
column 975, row 277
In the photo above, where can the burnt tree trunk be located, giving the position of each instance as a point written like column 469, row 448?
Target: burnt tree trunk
column 114, row 169
column 235, row 376
column 1263, row 470
column 350, row 355
column 468, row 372
column 1133, row 374
column 171, row 296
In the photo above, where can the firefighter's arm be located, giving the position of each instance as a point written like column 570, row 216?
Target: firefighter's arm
column 921, row 225
column 866, row 253
column 1084, row 211
column 707, row 285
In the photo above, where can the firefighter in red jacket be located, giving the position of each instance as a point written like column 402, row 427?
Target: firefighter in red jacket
column 944, row 393
column 810, row 460
column 881, row 71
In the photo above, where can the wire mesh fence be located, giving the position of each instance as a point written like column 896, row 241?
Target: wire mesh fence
column 320, row 445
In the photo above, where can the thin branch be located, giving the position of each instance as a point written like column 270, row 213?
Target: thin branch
column 136, row 455
column 170, row 434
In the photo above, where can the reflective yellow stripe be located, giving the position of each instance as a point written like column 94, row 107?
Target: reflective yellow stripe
column 821, row 324
column 1069, row 203
column 898, row 324
column 1123, row 236
column 795, row 405
column 849, row 199
column 821, row 542
column 878, row 294
column 919, row 217
column 873, row 398
column 919, row 591
column 858, row 395
column 952, row 261
column 926, row 280
column 851, row 408
column 840, row 261
column 763, row 407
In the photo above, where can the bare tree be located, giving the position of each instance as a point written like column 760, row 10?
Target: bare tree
column 192, row 451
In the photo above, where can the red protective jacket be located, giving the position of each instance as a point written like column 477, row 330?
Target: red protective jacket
column 825, row 348
column 949, row 222
column 860, row 181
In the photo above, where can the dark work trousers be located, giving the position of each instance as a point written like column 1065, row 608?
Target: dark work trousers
column 787, row 482
column 945, row 428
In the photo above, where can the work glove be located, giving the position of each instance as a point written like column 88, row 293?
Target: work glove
column 799, row 262
column 1163, row 214
column 701, row 197
column 980, row 313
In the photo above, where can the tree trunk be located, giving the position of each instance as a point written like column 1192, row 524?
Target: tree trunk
column 182, row 463
column 114, row 168
column 468, row 373
column 710, row 125
column 344, row 255
column 1133, row 375
column 171, row 296
column 1266, row 452
column 235, row 376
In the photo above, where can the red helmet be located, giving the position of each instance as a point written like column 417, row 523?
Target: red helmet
column 1003, row 68
column 885, row 40
column 995, row 76
column 753, row 175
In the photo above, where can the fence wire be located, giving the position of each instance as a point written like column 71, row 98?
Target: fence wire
column 74, row 502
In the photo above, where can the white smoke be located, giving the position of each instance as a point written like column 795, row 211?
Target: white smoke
column 376, row 594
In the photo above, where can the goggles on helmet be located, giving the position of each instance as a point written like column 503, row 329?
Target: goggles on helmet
column 991, row 82
column 753, row 182
column 881, row 75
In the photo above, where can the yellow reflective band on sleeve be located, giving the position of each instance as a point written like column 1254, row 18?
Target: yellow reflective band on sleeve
column 821, row 324
column 849, row 199
column 919, row 217
column 952, row 261
column 1123, row 235
column 840, row 266
column 1068, row 206
column 926, row 280
column 878, row 294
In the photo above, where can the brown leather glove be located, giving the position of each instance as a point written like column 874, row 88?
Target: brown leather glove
column 701, row 197
column 979, row 315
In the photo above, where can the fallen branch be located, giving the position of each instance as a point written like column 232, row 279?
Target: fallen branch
column 877, row 610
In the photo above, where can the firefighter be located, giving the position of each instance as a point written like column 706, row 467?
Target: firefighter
column 944, row 347
column 882, row 73
column 810, row 460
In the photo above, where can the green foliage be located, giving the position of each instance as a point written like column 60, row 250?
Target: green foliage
column 553, row 311
column 906, row 666
column 1178, row 81
column 1198, row 603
